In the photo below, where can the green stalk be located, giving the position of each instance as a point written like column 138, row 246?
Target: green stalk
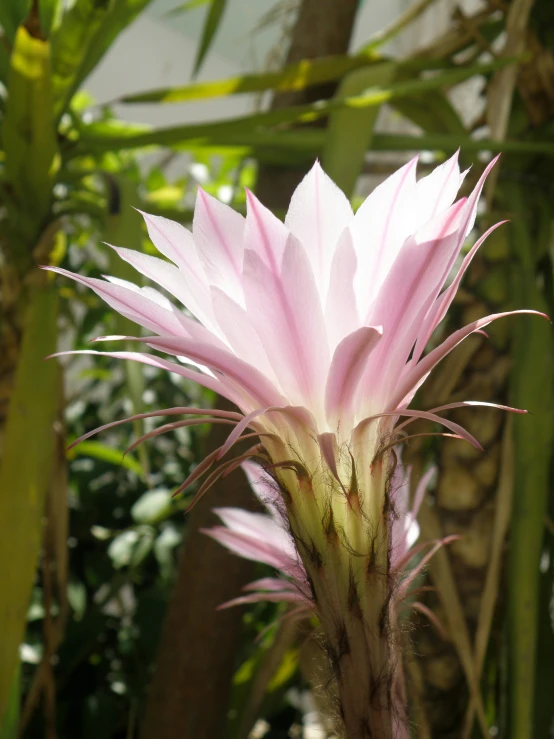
column 29, row 443
column 533, row 435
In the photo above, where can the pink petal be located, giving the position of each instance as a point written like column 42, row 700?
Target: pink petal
column 341, row 311
column 328, row 446
column 416, row 374
column 285, row 596
column 218, row 233
column 347, row 368
column 264, row 487
column 236, row 325
column 218, row 385
column 318, row 214
column 455, row 427
column 241, row 426
column 193, row 296
column 379, row 228
column 231, row 416
column 405, row 296
column 131, row 303
column 286, row 312
column 264, row 234
column 275, row 584
column 255, row 536
column 438, row 190
column 441, row 305
column 249, row 379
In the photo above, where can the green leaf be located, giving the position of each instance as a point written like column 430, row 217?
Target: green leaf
column 70, row 46
column 213, row 19
column 190, row 5
column 120, row 15
column 350, row 130
column 432, row 111
column 100, row 136
column 50, row 13
column 292, row 78
column 449, row 143
column 12, row 14
column 262, row 679
column 98, row 450
column 152, row 507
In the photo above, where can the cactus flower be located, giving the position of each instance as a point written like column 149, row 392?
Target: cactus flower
column 316, row 329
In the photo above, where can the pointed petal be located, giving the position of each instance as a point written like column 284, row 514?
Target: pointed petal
column 274, row 584
column 194, row 297
column 218, row 385
column 231, row 416
column 249, row 379
column 438, row 190
column 257, row 537
column 264, row 486
column 176, row 243
column 416, row 374
column 329, row 447
column 218, row 233
column 241, row 426
column 379, row 228
column 341, row 311
column 441, row 305
column 236, row 325
column 347, row 368
column 131, row 303
column 286, row 596
column 318, row 214
column 285, row 310
column 264, row 234
column 405, row 296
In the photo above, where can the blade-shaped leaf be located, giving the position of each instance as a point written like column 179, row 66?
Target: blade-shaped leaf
column 50, row 12
column 350, row 130
column 121, row 14
column 213, row 19
column 70, row 45
column 189, row 5
column 102, row 137
column 12, row 14
column 292, row 78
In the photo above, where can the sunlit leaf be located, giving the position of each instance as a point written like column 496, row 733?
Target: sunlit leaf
column 101, row 136
column 291, row 78
column 70, row 44
column 98, row 450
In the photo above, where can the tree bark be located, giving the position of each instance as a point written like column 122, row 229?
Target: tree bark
column 190, row 689
column 323, row 27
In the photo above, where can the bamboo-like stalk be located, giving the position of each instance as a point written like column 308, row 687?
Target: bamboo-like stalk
column 29, row 443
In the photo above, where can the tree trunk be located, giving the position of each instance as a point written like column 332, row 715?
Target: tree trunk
column 198, row 649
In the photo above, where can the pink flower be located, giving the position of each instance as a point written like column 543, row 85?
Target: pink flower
column 316, row 330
